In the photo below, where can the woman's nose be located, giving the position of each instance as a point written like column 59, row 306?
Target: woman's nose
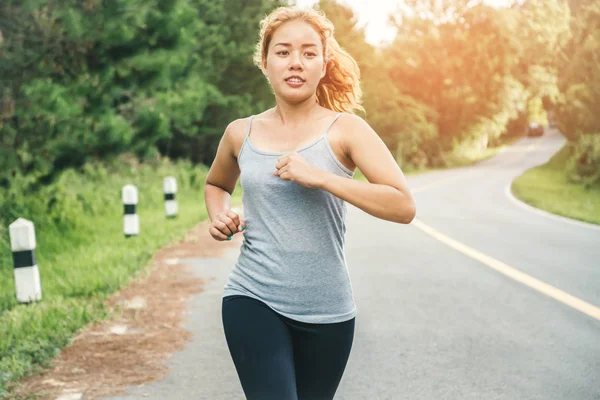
column 295, row 62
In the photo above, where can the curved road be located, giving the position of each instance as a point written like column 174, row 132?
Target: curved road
column 480, row 297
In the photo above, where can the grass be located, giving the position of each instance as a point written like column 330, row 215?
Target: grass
column 546, row 187
column 87, row 258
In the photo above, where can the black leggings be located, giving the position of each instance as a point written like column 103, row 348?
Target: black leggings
column 283, row 359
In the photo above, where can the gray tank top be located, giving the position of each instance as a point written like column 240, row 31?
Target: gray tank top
column 292, row 256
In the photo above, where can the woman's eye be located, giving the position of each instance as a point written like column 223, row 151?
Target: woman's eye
column 311, row 54
column 281, row 52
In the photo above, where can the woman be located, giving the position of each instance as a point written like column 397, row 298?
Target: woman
column 288, row 308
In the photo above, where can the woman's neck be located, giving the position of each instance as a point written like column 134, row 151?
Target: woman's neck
column 298, row 113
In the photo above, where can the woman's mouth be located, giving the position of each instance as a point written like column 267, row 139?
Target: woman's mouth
column 294, row 82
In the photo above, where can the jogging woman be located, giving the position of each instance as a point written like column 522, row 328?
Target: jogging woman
column 288, row 308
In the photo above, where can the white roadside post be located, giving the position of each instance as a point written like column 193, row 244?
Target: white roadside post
column 131, row 221
column 170, row 188
column 27, row 274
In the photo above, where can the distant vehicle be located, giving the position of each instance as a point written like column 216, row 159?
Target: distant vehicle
column 535, row 129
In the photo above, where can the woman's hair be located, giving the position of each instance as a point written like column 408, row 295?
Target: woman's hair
column 339, row 89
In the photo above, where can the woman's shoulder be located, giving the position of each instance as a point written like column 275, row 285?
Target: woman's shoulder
column 350, row 123
column 348, row 130
column 235, row 133
column 237, row 130
column 237, row 127
column 351, row 118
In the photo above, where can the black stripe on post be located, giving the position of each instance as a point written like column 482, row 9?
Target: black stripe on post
column 130, row 208
column 169, row 196
column 25, row 258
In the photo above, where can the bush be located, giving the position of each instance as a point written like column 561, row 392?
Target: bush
column 584, row 165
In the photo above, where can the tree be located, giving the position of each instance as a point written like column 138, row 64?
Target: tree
column 579, row 83
column 92, row 79
column 456, row 58
column 543, row 32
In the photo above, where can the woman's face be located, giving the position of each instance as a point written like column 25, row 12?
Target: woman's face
column 295, row 64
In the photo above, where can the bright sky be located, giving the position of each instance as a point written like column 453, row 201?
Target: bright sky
column 374, row 14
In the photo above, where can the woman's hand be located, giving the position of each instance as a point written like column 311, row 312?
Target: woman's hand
column 292, row 167
column 226, row 224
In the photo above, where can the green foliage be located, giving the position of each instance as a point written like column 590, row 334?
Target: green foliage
column 402, row 122
column 88, row 80
column 406, row 125
column 460, row 74
column 445, row 80
column 578, row 105
column 536, row 112
column 584, row 165
column 142, row 77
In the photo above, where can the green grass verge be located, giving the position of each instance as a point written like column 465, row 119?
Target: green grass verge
column 547, row 187
column 83, row 256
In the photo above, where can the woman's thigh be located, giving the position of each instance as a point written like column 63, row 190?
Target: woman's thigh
column 321, row 352
column 260, row 345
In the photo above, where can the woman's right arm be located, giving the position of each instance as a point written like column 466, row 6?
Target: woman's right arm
column 220, row 184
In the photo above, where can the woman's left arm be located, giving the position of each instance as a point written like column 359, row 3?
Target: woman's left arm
column 386, row 195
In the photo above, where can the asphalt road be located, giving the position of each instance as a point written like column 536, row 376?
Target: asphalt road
column 480, row 297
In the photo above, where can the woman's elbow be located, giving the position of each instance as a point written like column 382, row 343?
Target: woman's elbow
column 411, row 214
column 407, row 212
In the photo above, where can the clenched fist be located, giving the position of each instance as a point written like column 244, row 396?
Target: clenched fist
column 226, row 224
column 293, row 167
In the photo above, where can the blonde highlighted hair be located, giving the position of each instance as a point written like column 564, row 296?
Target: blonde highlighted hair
column 339, row 90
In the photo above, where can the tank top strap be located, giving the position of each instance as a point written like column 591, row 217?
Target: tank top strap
column 244, row 143
column 249, row 127
column 332, row 122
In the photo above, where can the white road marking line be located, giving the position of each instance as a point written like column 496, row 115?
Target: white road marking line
column 513, row 273
column 527, row 207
